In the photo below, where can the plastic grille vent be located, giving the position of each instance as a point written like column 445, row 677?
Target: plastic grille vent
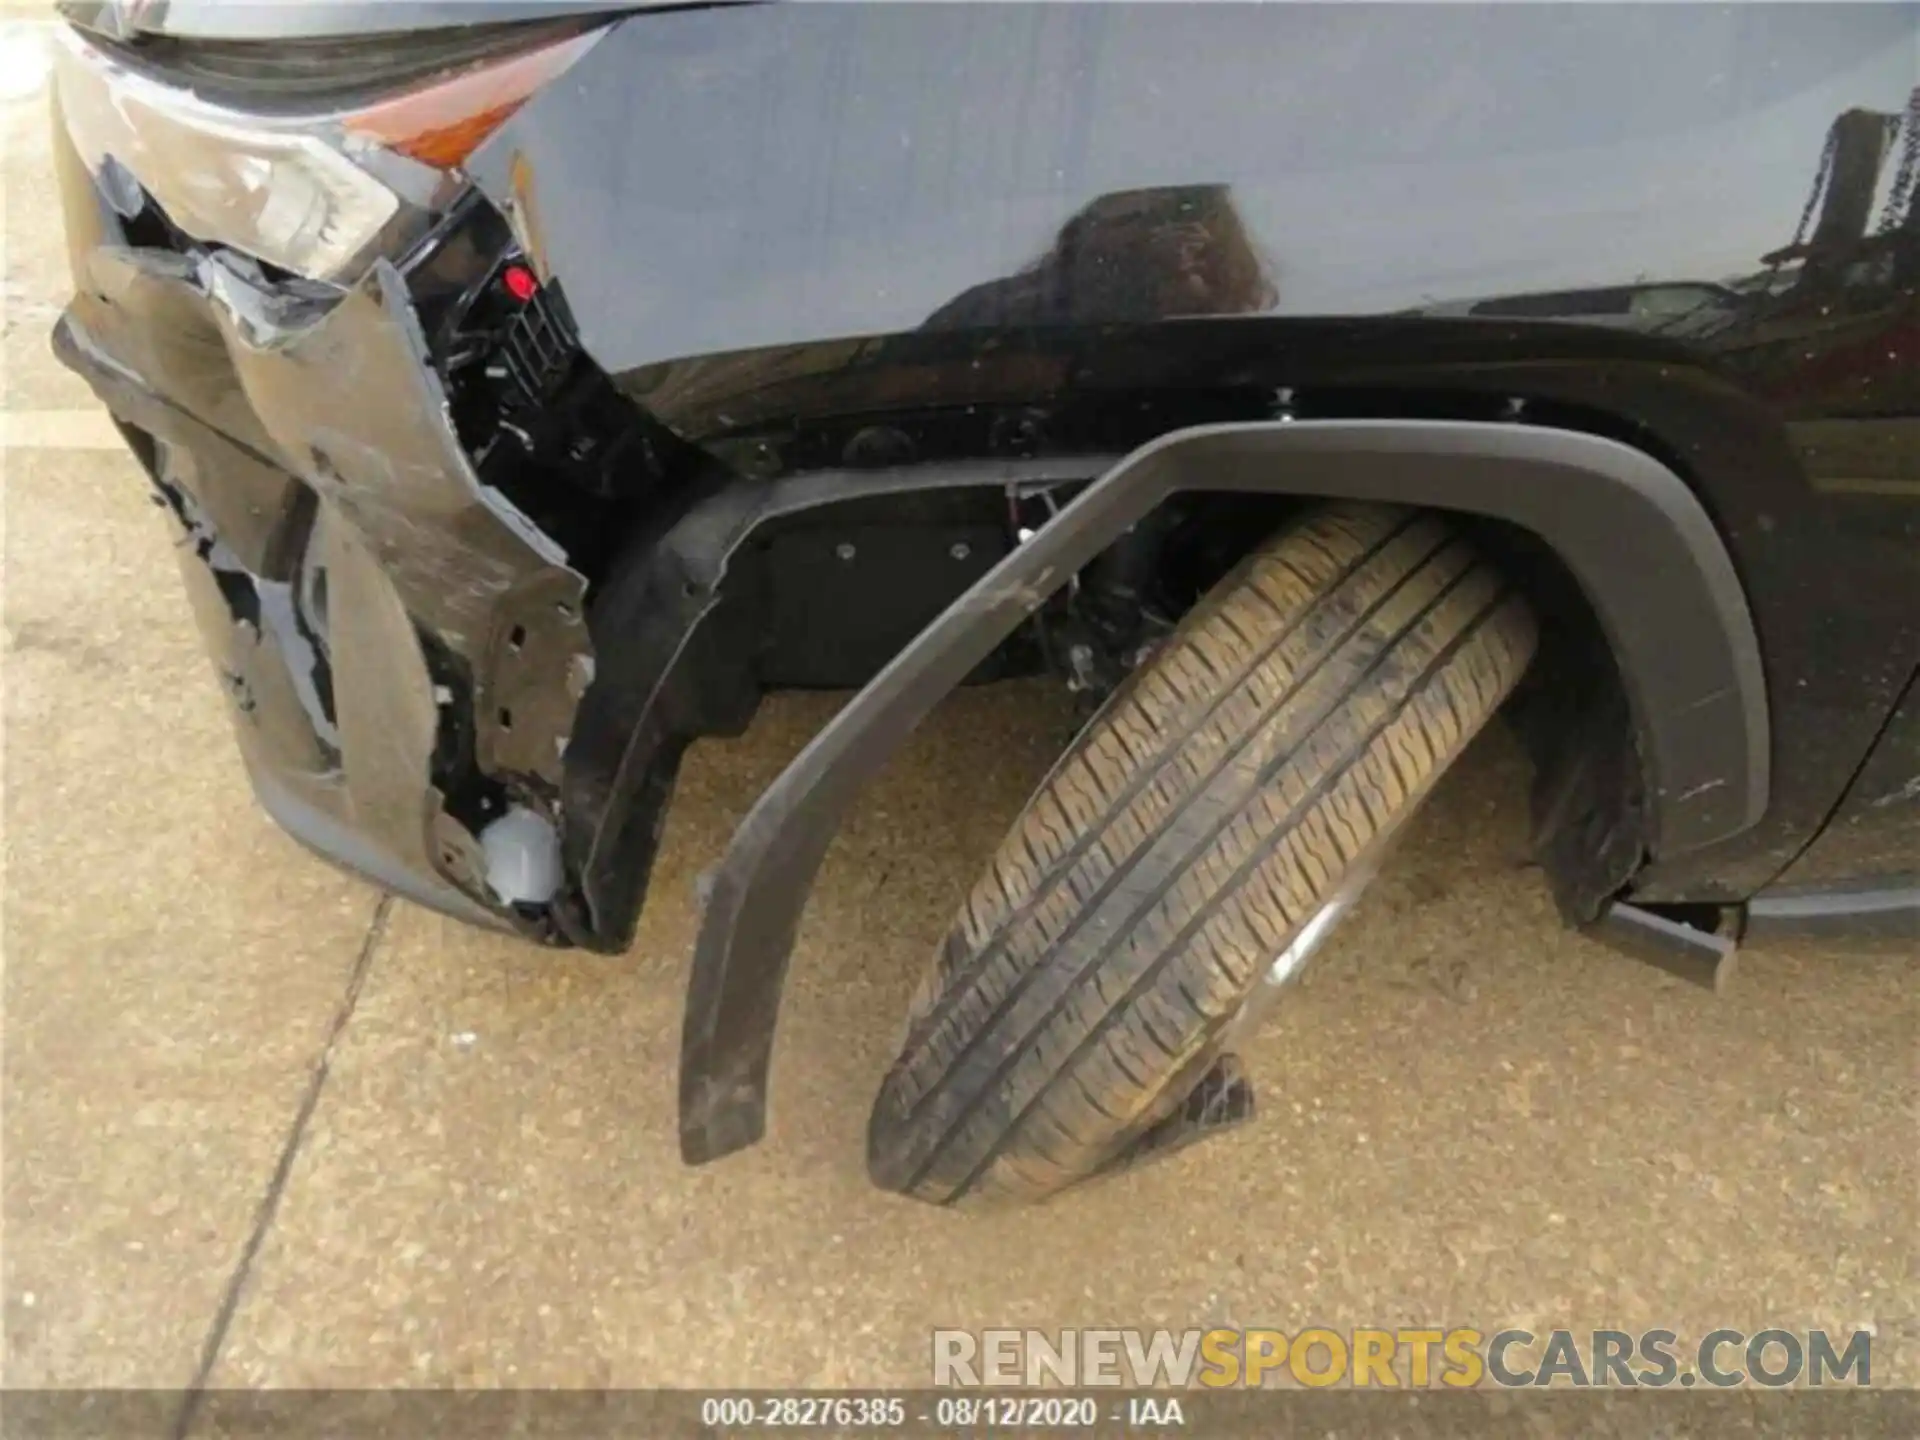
column 539, row 346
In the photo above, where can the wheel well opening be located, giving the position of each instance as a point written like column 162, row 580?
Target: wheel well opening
column 1589, row 813
column 812, row 577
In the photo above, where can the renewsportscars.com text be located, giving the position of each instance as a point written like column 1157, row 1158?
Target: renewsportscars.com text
column 1410, row 1358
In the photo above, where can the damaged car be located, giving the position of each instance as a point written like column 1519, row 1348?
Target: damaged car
column 537, row 386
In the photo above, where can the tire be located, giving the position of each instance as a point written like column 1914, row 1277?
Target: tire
column 1202, row 818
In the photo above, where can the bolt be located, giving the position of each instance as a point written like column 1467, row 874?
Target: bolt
column 960, row 550
column 763, row 461
column 844, row 550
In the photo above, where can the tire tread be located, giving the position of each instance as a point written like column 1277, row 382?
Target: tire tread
column 1206, row 812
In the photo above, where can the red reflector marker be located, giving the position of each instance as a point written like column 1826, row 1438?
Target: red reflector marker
column 521, row 282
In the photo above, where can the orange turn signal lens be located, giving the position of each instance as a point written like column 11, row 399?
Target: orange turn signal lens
column 442, row 123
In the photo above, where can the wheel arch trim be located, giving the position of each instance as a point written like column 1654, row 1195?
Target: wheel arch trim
column 1635, row 538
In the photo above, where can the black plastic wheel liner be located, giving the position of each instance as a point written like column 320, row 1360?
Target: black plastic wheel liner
column 1629, row 530
column 671, row 629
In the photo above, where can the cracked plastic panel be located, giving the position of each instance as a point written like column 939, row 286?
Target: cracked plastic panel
column 377, row 616
column 467, row 565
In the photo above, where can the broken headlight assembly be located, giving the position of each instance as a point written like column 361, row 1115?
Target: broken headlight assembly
column 310, row 162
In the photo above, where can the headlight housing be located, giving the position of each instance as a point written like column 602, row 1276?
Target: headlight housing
column 317, row 189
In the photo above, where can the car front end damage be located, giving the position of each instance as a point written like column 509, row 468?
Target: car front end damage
column 532, row 395
column 293, row 317
column 468, row 600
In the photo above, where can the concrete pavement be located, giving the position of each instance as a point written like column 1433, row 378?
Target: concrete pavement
column 261, row 1127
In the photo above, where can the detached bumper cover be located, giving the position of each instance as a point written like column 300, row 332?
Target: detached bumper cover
column 403, row 650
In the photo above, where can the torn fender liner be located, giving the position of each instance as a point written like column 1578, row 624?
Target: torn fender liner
column 672, row 625
column 1630, row 531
